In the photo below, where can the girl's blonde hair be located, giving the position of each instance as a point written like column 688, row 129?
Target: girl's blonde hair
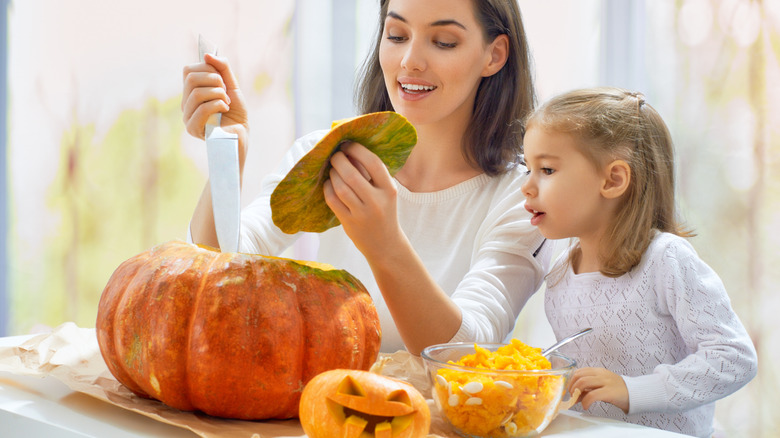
column 617, row 124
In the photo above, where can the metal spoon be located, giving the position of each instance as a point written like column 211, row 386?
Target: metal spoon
column 565, row 340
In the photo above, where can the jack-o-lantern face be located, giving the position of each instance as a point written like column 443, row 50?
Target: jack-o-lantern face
column 360, row 404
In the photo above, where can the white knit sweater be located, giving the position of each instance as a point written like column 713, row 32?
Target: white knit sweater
column 666, row 326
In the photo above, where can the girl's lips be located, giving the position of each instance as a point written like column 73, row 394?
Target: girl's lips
column 537, row 215
column 537, row 218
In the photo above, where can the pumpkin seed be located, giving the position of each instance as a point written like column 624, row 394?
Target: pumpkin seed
column 441, row 380
column 473, row 401
column 453, row 400
column 511, row 428
column 472, row 387
column 504, row 384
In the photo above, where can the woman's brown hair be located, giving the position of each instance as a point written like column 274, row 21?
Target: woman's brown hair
column 493, row 139
column 616, row 124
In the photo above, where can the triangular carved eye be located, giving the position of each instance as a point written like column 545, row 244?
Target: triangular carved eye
column 400, row 396
column 349, row 386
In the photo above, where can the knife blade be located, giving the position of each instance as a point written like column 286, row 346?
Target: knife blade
column 224, row 180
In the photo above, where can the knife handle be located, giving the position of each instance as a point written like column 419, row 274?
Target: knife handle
column 214, row 121
column 205, row 46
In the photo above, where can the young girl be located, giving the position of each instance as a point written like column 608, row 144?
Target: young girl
column 666, row 343
column 445, row 247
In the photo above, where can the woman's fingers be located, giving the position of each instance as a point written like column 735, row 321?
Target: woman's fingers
column 350, row 170
column 200, row 75
column 196, row 121
column 345, row 179
column 371, row 164
column 210, row 87
column 333, row 200
column 203, row 94
column 354, row 176
column 223, row 68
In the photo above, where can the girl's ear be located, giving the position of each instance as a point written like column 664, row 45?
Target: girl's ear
column 499, row 52
column 617, row 179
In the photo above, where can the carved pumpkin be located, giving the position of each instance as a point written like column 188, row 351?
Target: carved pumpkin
column 298, row 203
column 361, row 404
column 230, row 334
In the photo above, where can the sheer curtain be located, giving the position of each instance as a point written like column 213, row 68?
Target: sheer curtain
column 99, row 165
column 4, row 283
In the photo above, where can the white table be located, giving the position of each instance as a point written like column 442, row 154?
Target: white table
column 45, row 407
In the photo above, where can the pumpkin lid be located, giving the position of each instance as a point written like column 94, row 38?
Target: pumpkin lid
column 298, row 202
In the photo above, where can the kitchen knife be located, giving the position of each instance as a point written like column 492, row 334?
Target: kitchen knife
column 222, row 152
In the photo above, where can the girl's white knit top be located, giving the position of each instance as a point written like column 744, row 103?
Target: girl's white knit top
column 666, row 326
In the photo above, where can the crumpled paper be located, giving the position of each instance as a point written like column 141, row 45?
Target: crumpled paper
column 71, row 354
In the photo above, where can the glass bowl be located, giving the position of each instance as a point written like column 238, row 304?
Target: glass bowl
column 487, row 403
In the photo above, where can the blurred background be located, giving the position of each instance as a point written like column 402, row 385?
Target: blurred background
column 95, row 165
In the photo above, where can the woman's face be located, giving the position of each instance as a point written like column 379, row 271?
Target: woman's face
column 433, row 56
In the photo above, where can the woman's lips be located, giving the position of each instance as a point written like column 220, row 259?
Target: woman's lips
column 414, row 90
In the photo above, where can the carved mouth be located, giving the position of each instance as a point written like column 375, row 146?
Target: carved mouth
column 360, row 424
column 390, row 419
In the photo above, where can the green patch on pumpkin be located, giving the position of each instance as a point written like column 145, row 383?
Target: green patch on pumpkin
column 298, row 203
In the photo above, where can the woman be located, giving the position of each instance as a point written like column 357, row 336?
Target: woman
column 445, row 247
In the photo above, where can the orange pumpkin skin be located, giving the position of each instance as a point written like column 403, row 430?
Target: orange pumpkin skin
column 229, row 334
column 360, row 404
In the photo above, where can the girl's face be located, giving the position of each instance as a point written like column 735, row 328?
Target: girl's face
column 564, row 188
column 433, row 56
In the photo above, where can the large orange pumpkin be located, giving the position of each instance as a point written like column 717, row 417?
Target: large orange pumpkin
column 361, row 404
column 230, row 334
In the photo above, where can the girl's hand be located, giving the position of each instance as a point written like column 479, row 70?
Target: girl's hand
column 599, row 384
column 361, row 193
column 211, row 87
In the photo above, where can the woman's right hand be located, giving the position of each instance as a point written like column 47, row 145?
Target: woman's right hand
column 211, row 87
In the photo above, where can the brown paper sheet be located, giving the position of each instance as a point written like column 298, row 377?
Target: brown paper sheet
column 71, row 354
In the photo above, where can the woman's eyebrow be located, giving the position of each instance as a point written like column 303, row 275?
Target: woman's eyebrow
column 448, row 22
column 392, row 14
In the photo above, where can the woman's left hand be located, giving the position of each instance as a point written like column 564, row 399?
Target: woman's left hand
column 362, row 195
